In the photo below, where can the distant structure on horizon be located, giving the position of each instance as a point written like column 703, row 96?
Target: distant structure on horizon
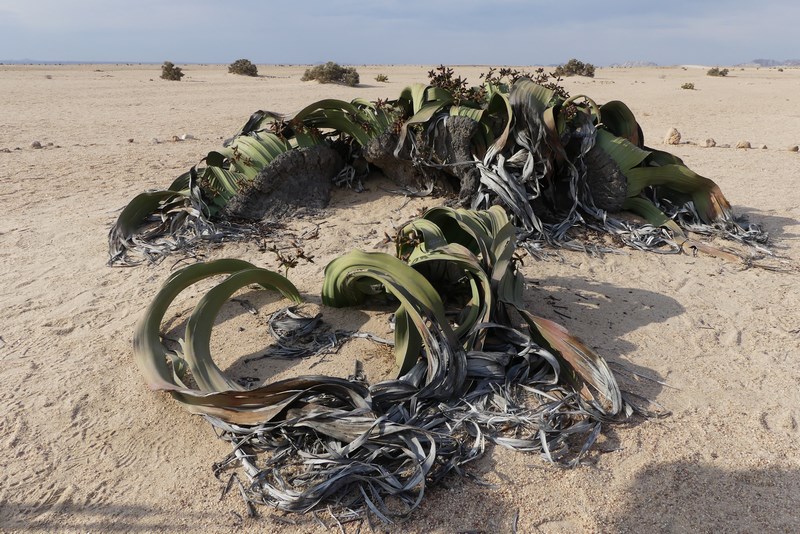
column 773, row 63
column 633, row 64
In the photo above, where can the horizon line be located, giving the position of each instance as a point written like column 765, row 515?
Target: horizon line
column 754, row 62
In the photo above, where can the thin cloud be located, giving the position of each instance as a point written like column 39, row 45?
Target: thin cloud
column 393, row 31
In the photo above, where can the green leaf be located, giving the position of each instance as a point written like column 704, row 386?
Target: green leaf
column 418, row 231
column 618, row 119
column 659, row 157
column 217, row 158
column 456, row 262
column 198, row 329
column 133, row 215
column 181, row 183
column 527, row 95
column 341, row 121
column 250, row 154
column 271, row 144
column 413, row 97
column 360, row 119
column 475, row 114
column 708, row 199
column 528, row 102
column 324, row 105
column 255, row 406
column 645, row 208
column 258, row 121
column 425, row 114
column 624, row 153
column 224, row 183
column 149, row 353
column 418, row 299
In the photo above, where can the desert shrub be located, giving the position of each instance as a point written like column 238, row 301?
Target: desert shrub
column 243, row 67
column 716, row 71
column 170, row 72
column 780, row 70
column 381, row 78
column 573, row 67
column 332, row 72
column 688, row 85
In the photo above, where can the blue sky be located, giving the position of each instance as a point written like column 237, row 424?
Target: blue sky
column 496, row 32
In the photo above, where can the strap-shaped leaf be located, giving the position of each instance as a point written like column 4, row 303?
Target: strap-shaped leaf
column 149, row 352
column 710, row 203
column 253, row 406
column 198, row 329
column 590, row 370
column 258, row 121
column 131, row 218
column 618, row 119
column 645, row 208
column 624, row 153
column 459, row 262
column 413, row 97
column 420, row 302
column 418, row 232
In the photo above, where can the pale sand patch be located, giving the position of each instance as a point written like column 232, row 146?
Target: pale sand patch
column 86, row 446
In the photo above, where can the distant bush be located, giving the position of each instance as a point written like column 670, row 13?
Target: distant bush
column 573, row 67
column 381, row 78
column 716, row 71
column 332, row 72
column 780, row 70
column 243, row 67
column 688, row 85
column 170, row 72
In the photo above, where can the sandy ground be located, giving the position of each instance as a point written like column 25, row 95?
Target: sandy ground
column 87, row 447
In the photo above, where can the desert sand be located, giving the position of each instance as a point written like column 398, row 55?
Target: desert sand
column 86, row 446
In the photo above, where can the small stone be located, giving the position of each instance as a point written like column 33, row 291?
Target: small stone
column 130, row 140
column 5, row 150
column 673, row 137
column 794, row 148
column 710, row 143
column 36, row 144
column 187, row 137
column 763, row 147
column 743, row 144
column 155, row 141
column 175, row 138
column 49, row 144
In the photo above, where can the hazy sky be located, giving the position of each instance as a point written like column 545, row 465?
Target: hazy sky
column 498, row 32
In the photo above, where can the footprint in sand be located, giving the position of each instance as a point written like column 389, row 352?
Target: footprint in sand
column 780, row 420
column 731, row 337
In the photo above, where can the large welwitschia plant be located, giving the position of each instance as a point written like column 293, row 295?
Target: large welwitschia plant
column 471, row 365
column 554, row 162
